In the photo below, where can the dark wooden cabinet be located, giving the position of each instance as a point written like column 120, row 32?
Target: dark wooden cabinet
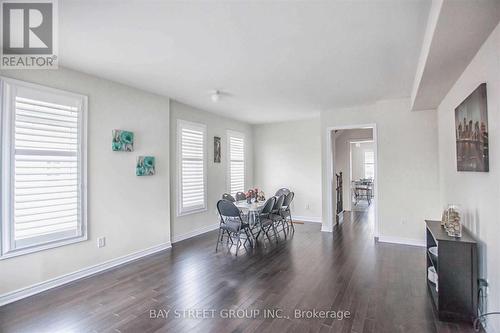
column 457, row 271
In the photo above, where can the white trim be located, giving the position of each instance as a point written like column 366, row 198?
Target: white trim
column 401, row 240
column 40, row 87
column 197, row 126
column 5, row 159
column 9, row 89
column 82, row 273
column 329, row 166
column 307, row 219
column 44, row 246
column 325, row 228
column 195, row 233
column 360, row 140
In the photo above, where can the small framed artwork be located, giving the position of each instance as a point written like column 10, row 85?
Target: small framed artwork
column 217, row 149
column 145, row 166
column 122, row 140
column 471, row 128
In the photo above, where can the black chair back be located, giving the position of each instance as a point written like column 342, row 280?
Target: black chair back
column 268, row 206
column 228, row 197
column 282, row 191
column 279, row 203
column 288, row 199
column 240, row 196
column 227, row 209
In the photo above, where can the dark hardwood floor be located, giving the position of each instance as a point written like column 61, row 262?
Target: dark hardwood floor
column 381, row 285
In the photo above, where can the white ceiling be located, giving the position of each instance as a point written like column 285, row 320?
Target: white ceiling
column 455, row 33
column 275, row 60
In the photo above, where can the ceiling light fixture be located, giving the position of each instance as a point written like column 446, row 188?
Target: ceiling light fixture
column 215, row 96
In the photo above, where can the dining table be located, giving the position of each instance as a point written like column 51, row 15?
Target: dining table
column 252, row 209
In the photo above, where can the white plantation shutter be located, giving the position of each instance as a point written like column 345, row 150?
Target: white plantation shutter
column 192, row 168
column 236, row 154
column 46, row 176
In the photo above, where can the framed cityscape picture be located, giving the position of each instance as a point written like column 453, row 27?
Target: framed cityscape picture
column 471, row 128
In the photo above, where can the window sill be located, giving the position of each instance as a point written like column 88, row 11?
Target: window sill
column 38, row 248
column 190, row 212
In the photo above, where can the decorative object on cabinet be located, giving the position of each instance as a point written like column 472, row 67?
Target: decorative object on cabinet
column 444, row 218
column 453, row 226
column 122, row 140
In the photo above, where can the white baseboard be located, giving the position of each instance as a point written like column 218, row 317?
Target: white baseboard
column 195, row 232
column 307, row 219
column 325, row 228
column 401, row 240
column 85, row 272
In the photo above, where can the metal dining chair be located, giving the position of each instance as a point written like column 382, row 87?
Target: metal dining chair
column 264, row 220
column 240, row 196
column 228, row 197
column 281, row 191
column 276, row 216
column 233, row 224
column 286, row 212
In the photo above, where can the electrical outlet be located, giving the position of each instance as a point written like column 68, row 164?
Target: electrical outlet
column 101, row 242
column 308, row 206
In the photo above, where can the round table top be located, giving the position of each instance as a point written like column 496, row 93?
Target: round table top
column 254, row 206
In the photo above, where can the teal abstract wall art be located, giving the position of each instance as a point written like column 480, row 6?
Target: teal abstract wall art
column 123, row 140
column 145, row 166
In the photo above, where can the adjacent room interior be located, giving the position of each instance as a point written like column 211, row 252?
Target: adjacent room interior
column 277, row 166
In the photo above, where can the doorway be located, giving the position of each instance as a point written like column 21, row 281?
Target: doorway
column 361, row 174
column 352, row 162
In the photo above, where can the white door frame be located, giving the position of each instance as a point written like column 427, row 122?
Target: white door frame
column 329, row 166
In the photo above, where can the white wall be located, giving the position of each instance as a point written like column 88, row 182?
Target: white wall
column 288, row 154
column 132, row 212
column 342, row 158
column 407, row 165
column 477, row 193
column 358, row 159
column 188, row 225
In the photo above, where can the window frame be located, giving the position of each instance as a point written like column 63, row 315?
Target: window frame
column 236, row 134
column 196, row 126
column 7, row 157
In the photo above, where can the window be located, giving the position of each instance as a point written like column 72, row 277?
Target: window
column 192, row 169
column 43, row 167
column 236, row 162
column 369, row 164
